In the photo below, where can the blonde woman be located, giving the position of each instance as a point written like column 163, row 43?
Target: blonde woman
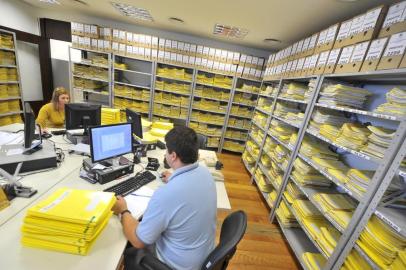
column 52, row 115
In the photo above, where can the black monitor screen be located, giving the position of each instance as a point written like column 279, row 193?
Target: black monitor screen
column 82, row 115
column 29, row 125
column 135, row 119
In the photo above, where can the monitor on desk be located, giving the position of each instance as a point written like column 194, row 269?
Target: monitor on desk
column 82, row 115
column 29, row 130
column 110, row 141
column 135, row 119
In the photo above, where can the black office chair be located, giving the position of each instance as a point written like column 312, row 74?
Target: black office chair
column 202, row 141
column 232, row 231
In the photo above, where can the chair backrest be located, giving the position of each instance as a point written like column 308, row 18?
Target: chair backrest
column 232, row 231
column 202, row 141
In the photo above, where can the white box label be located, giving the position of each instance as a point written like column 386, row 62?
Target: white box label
column 313, row 41
column 376, row 49
column 370, row 19
column 356, row 25
column 331, row 33
column 344, row 30
column 306, row 44
column 359, row 52
column 300, row 64
column 332, row 58
column 323, row 58
column 322, row 37
column 346, row 55
column 394, row 14
column 313, row 61
column 396, row 45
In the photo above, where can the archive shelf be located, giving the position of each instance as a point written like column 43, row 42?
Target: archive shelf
column 11, row 97
column 171, row 92
column 133, row 85
column 368, row 203
column 82, row 75
column 264, row 194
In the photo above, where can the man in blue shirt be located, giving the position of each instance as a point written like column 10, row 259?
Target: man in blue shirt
column 181, row 216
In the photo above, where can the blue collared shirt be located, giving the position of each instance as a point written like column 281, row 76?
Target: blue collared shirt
column 181, row 218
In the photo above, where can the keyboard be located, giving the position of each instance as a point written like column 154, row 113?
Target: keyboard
column 131, row 184
column 58, row 132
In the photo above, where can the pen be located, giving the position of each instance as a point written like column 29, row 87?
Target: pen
column 141, row 195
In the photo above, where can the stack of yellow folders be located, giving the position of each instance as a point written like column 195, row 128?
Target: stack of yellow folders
column 294, row 90
column 381, row 243
column 292, row 193
column 285, row 216
column 378, row 141
column 343, row 95
column 400, row 262
column 338, row 207
column 327, row 117
column 359, row 180
column 272, row 197
column 396, row 102
column 110, row 116
column 306, row 175
column 313, row 261
column 281, row 130
column 262, row 184
column 69, row 220
column 353, row 136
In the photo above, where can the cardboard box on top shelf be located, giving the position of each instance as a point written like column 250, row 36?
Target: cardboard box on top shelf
column 332, row 60
column 147, row 53
column 178, row 58
column 192, row 60
column 299, row 67
column 74, row 28
column 356, row 60
column 343, row 34
column 199, row 51
column 107, row 45
column 167, row 57
column 312, row 45
column 344, row 58
column 168, row 45
column 394, row 52
column 224, row 55
column 129, row 50
column 148, row 41
column 193, row 50
column 239, row 70
column 212, row 54
column 305, row 46
column 161, row 55
column 403, row 62
column 312, row 64
column 236, row 58
column 327, row 38
column 86, row 30
column 94, row 31
column 305, row 68
column 217, row 55
column 374, row 54
column 129, row 40
column 154, row 43
column 395, row 20
column 93, row 43
column 106, row 33
column 116, row 35
column 161, row 44
column 321, row 63
column 122, row 36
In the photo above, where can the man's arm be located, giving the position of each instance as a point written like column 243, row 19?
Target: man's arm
column 129, row 223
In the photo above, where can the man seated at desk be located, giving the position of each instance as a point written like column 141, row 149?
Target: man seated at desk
column 181, row 216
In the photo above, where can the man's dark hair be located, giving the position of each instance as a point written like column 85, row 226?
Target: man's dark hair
column 183, row 141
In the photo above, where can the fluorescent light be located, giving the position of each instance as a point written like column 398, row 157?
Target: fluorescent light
column 133, row 12
column 50, row 2
column 229, row 31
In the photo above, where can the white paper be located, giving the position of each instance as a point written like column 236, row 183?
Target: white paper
column 81, row 148
column 137, row 204
column 10, row 138
column 144, row 191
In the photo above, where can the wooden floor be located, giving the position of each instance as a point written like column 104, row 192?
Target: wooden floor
column 263, row 245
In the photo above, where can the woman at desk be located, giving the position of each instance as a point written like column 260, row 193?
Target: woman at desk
column 53, row 114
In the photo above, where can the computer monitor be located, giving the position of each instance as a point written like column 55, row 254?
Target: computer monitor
column 135, row 119
column 82, row 115
column 110, row 141
column 29, row 129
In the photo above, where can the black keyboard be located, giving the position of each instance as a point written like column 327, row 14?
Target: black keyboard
column 59, row 132
column 131, row 184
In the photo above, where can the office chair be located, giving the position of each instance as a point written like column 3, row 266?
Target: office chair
column 202, row 141
column 232, row 231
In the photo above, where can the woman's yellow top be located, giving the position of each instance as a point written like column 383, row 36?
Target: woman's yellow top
column 49, row 117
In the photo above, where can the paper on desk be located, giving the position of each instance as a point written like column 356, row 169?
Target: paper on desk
column 137, row 204
column 81, row 148
column 144, row 191
column 10, row 138
column 16, row 151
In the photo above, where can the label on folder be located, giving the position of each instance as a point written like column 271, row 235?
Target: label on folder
column 376, row 49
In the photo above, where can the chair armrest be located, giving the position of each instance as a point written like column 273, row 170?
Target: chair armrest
column 150, row 262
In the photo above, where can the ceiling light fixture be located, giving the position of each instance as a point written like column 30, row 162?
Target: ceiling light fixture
column 133, row 12
column 176, row 20
column 54, row 2
column 229, row 31
column 347, row 1
column 270, row 40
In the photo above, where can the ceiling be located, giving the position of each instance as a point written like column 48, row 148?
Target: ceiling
column 285, row 20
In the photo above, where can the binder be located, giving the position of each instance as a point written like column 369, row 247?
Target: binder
column 355, row 62
column 332, row 61
column 394, row 21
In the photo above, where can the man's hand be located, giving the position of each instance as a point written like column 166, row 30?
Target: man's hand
column 165, row 176
column 119, row 206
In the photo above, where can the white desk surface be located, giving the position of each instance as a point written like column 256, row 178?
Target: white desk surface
column 108, row 248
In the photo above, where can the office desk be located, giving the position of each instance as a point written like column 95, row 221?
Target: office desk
column 108, row 248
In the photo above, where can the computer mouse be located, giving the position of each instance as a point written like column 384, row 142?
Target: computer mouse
column 46, row 135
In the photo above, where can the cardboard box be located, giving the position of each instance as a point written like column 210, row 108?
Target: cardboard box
column 299, row 67
column 107, row 45
column 87, row 43
column 239, row 70
column 161, row 55
column 312, row 44
column 217, row 54
column 100, row 44
column 312, row 64
column 86, row 28
column 154, row 43
column 327, row 38
column 148, row 41
column 356, row 60
column 75, row 41
column 332, row 61
column 403, row 62
column 161, row 44
column 147, row 53
column 344, row 58
column 374, row 54
column 395, row 20
column 343, row 34
column 212, row 53
column 94, row 31
column 393, row 54
column 321, row 63
column 114, row 47
column 236, row 58
column 192, row 60
column 129, row 38
column 122, row 36
column 224, row 55
column 154, row 54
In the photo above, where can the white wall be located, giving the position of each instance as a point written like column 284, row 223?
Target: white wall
column 19, row 15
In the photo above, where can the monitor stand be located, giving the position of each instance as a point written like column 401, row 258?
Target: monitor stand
column 32, row 150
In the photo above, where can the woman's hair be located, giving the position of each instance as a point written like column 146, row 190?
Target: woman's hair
column 56, row 94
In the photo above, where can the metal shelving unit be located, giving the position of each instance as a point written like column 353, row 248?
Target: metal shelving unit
column 386, row 168
column 102, row 93
column 10, row 89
